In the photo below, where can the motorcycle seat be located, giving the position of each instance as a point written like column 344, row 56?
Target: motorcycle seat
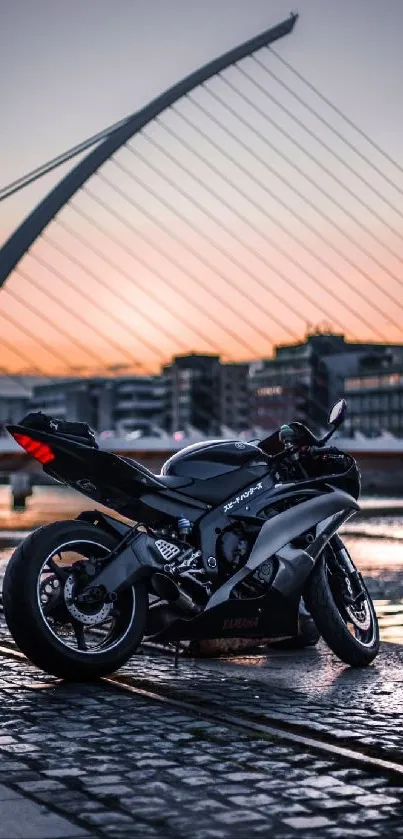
column 173, row 481
column 168, row 481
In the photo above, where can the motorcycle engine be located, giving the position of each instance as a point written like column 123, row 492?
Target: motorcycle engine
column 234, row 547
column 183, row 562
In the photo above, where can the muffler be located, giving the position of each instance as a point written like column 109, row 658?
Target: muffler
column 168, row 589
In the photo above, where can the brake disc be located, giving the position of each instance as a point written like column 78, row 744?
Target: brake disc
column 89, row 618
column 361, row 618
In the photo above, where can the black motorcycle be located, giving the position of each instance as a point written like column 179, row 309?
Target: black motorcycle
column 226, row 541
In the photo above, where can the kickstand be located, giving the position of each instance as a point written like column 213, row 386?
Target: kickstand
column 177, row 649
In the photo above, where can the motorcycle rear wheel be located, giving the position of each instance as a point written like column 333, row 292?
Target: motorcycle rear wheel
column 341, row 606
column 58, row 634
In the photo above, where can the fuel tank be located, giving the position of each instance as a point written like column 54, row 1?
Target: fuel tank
column 217, row 468
column 213, row 458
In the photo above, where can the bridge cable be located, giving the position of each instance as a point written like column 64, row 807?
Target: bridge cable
column 343, row 116
column 227, row 229
column 275, row 221
column 139, row 259
column 177, row 264
column 312, row 157
column 310, row 179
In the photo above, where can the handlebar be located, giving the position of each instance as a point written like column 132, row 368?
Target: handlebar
column 319, row 450
column 292, row 454
column 292, row 450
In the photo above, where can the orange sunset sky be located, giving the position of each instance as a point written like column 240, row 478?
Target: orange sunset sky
column 236, row 221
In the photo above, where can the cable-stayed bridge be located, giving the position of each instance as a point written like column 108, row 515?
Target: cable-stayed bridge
column 231, row 212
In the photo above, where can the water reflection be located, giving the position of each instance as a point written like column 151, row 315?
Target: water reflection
column 390, row 617
column 376, row 556
column 44, row 506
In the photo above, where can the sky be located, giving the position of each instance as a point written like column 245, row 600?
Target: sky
column 68, row 70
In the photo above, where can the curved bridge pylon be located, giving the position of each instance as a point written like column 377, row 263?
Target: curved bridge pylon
column 32, row 227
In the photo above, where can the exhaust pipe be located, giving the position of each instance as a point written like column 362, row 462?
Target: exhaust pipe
column 167, row 589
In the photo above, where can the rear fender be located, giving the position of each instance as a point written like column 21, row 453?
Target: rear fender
column 107, row 523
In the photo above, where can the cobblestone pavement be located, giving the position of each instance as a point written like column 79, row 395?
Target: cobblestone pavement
column 79, row 761
column 309, row 689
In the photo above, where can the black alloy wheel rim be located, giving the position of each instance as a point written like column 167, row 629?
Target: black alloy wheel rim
column 89, row 629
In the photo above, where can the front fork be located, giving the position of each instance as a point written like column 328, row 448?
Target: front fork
column 351, row 582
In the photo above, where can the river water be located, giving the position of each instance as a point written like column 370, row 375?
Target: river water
column 374, row 538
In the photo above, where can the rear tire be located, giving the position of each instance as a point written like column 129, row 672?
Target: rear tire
column 26, row 618
column 326, row 601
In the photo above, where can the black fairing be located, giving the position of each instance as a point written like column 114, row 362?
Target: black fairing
column 336, row 468
column 218, row 468
column 132, row 490
column 271, row 615
column 116, row 482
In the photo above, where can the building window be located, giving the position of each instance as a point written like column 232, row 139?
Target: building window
column 364, row 383
column 275, row 390
column 390, row 381
column 185, row 375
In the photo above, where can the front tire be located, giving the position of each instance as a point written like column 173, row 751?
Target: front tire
column 37, row 611
column 341, row 606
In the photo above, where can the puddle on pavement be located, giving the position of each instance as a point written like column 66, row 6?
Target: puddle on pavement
column 390, row 618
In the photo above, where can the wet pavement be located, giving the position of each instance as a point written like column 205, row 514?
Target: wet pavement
column 79, row 761
column 309, row 690
column 90, row 760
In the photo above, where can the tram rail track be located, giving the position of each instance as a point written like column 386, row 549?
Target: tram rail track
column 267, row 728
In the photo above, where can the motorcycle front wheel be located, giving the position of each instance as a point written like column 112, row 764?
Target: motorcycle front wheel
column 58, row 633
column 341, row 606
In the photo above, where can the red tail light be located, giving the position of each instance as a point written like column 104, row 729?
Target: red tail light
column 40, row 451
